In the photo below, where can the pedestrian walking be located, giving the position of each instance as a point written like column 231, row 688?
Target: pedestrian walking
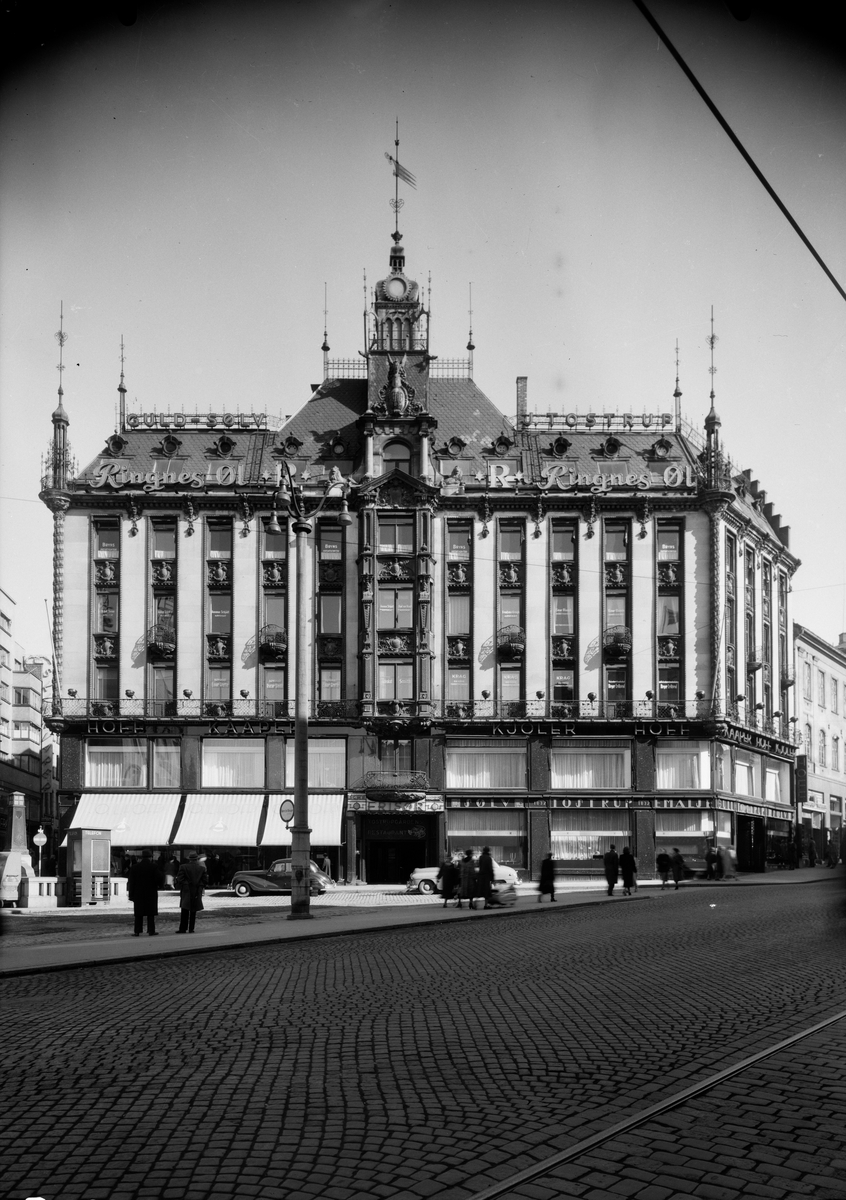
column 662, row 863
column 467, row 873
column 191, row 878
column 710, row 863
column 485, row 878
column 326, row 865
column 791, row 855
column 611, row 862
column 677, row 866
column 812, row 851
column 628, row 869
column 450, row 877
column 143, row 890
column 831, row 853
column 547, row 878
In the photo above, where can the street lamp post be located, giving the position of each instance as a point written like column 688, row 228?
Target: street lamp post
column 291, row 500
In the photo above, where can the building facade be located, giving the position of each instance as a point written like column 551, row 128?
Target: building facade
column 552, row 632
column 821, row 769
column 28, row 750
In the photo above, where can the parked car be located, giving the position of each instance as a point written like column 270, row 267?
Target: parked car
column 425, row 879
column 278, row 878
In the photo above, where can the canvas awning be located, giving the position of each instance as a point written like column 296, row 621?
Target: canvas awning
column 324, row 817
column 220, row 819
column 134, row 818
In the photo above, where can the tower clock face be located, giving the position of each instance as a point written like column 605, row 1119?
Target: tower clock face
column 395, row 288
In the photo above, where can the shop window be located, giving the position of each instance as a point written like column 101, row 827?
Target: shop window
column 220, row 540
column 563, row 688
column 669, row 544
column 458, row 543
column 395, row 681
column 688, row 831
column 329, row 614
column 562, row 614
column 219, row 684
column 220, row 612
column 458, row 684
column 510, row 684
column 585, row 835
column 504, row 831
column 164, row 541
column 116, row 763
column 593, row 769
column 106, row 540
column 329, row 543
column 723, row 825
column 396, row 608
column 167, row 762
column 105, row 683
column 229, row 763
column 682, row 766
column 330, row 683
column 777, row 782
column 475, row 763
column 747, row 773
column 458, row 614
column 396, row 535
column 327, row 762
column 106, row 613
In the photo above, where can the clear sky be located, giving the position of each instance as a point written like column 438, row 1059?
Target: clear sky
column 191, row 180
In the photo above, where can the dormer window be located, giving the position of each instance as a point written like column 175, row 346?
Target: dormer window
column 455, row 446
column 502, row 445
column 661, row 448
column 170, row 445
column 116, row 445
column 224, row 446
column 560, row 447
column 396, row 456
column 611, row 447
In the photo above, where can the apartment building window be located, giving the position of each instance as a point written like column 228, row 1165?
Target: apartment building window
column 458, row 683
column 821, row 688
column 563, row 610
column 275, row 544
column 822, row 749
column 835, row 754
column 106, row 612
column 329, row 543
column 329, row 682
column 106, row 539
column 220, row 540
column 510, row 609
column 458, row 543
column 164, row 539
column 4, row 691
column 396, row 535
column 273, row 683
column 396, row 608
column 510, row 687
column 228, row 763
column 164, row 612
column 219, row 683
column 396, row 456
column 395, row 756
column 329, row 613
column 23, row 696
column 563, row 686
column 806, row 680
column 563, row 543
column 5, row 623
column 105, row 683
column 25, row 731
column 458, row 614
column 510, row 543
column 590, row 768
column 274, row 611
column 834, row 694
column 395, row 681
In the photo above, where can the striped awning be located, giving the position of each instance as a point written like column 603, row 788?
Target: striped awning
column 324, row 817
column 220, row 819
column 133, row 818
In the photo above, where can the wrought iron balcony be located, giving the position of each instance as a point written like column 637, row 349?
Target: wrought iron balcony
column 396, row 781
column 754, row 658
column 161, row 640
column 617, row 641
column 272, row 643
column 511, row 642
column 348, row 711
column 788, row 677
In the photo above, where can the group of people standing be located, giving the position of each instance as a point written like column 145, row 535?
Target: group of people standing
column 616, row 865
column 467, row 880
column 144, row 883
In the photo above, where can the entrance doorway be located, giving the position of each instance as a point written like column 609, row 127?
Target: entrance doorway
column 393, row 845
column 751, row 844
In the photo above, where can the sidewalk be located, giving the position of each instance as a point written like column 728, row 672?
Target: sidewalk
column 377, row 909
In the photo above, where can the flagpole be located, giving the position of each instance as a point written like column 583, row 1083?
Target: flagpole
column 396, row 183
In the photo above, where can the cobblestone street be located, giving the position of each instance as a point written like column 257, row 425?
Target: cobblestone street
column 438, row 1060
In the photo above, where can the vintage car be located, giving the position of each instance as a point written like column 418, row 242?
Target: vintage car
column 425, row 879
column 277, row 878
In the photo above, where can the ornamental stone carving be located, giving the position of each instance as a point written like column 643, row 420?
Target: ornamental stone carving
column 331, row 574
column 219, row 648
column 395, row 643
column 458, row 649
column 329, row 647
column 458, row 574
column 105, row 647
column 395, row 568
column 397, row 395
column 616, row 575
column 668, row 649
column 163, row 574
column 106, row 574
column 562, row 575
column 562, row 649
column 272, row 574
column 668, row 574
column 219, row 574
column 510, row 574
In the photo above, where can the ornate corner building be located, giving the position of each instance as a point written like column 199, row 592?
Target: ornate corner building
column 556, row 631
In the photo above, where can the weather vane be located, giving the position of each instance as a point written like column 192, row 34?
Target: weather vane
column 400, row 173
column 61, row 338
column 711, row 341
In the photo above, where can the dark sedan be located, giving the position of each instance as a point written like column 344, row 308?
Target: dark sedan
column 278, row 878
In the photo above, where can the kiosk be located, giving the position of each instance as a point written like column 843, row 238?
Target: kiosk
column 89, row 862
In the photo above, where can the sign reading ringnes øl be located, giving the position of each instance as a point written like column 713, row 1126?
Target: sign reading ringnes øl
column 116, row 475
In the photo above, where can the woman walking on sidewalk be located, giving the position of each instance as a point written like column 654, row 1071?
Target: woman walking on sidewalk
column 628, row 869
column 677, row 864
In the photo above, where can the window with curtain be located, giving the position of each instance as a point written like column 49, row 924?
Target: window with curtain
column 510, row 543
column 396, row 681
column 747, row 773
column 510, row 684
column 562, row 614
column 396, row 608
column 219, row 683
column 106, row 683
column 476, row 763
column 329, row 543
column 682, row 765
column 590, row 769
column 106, row 620
column 330, row 683
column 220, row 540
column 822, row 758
column 233, row 763
column 458, row 542
column 563, row 543
column 458, row 614
column 327, row 762
column 773, row 784
column 107, row 541
column 116, row 763
column 668, row 616
column 164, row 541
column 669, row 542
column 458, row 684
column 669, row 824
column 167, row 762
column 581, row 834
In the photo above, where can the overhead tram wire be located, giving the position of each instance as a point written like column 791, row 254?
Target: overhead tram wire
column 735, row 140
column 586, row 1145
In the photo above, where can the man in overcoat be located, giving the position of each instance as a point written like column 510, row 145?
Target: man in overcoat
column 449, row 877
column 547, row 878
column 611, row 862
column 191, row 878
column 486, row 875
column 143, row 890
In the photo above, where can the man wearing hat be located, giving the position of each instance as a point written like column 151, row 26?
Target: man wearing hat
column 486, row 876
column 191, row 878
column 143, row 890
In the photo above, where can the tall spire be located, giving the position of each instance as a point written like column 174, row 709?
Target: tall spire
column 470, row 346
column 59, row 465
column 121, row 392
column 325, row 346
column 677, row 395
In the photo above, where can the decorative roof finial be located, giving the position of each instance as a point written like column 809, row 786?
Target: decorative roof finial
column 712, row 340
column 470, row 345
column 400, row 173
column 121, row 391
column 325, row 346
column 677, row 395
column 61, row 338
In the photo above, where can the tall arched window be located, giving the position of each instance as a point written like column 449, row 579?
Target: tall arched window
column 822, row 749
column 396, row 456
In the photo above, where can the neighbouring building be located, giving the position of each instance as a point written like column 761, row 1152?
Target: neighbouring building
column 553, row 631
column 821, row 763
column 28, row 749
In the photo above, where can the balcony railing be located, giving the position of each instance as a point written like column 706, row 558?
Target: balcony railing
column 272, row 643
column 69, row 709
column 788, row 677
column 617, row 641
column 161, row 640
column 396, row 781
column 511, row 642
column 754, row 658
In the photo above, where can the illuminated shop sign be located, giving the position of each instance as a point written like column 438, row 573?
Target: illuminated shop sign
column 180, row 420
column 116, row 475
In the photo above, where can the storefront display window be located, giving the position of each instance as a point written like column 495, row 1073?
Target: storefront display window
column 166, row 763
column 475, row 763
column 233, row 764
column 116, row 763
column 585, row 835
column 682, row 765
column 502, row 830
column 686, row 830
column 589, row 769
column 327, row 763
